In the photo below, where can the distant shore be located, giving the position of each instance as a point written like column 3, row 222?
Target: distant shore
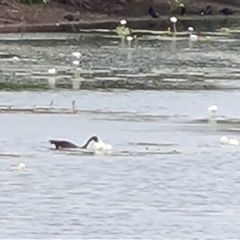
column 51, row 17
column 203, row 22
column 199, row 22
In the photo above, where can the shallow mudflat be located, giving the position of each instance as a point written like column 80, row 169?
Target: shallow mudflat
column 155, row 61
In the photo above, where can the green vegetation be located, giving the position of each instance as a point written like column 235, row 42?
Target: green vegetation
column 123, row 31
column 177, row 3
column 110, row 84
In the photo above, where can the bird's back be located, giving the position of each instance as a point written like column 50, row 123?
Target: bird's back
column 63, row 144
column 226, row 11
column 153, row 13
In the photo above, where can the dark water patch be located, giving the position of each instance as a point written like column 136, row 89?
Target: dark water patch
column 137, row 117
column 15, row 155
column 74, row 152
column 144, row 153
column 9, row 155
column 152, row 144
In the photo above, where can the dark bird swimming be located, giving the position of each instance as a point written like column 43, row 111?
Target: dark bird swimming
column 153, row 13
column 226, row 11
column 61, row 144
column 182, row 9
column 207, row 11
column 69, row 17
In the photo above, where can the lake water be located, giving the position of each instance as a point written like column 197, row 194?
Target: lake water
column 167, row 177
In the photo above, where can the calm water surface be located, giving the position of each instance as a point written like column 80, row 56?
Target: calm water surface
column 167, row 176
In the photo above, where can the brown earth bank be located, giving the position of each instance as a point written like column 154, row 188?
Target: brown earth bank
column 18, row 17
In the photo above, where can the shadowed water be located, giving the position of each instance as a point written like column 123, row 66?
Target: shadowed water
column 167, row 177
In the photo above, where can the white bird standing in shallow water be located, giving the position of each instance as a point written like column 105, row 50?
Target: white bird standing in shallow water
column 51, row 79
column 174, row 20
column 76, row 62
column 129, row 41
column 192, row 37
column 213, row 109
column 77, row 54
column 123, row 22
column 15, row 58
column 21, row 167
column 231, row 142
column 52, row 71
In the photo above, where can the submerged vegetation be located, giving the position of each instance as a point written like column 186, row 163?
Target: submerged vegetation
column 109, row 84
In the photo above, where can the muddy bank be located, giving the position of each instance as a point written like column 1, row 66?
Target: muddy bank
column 89, row 14
column 207, row 23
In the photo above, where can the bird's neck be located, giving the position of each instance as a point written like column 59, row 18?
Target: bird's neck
column 87, row 143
